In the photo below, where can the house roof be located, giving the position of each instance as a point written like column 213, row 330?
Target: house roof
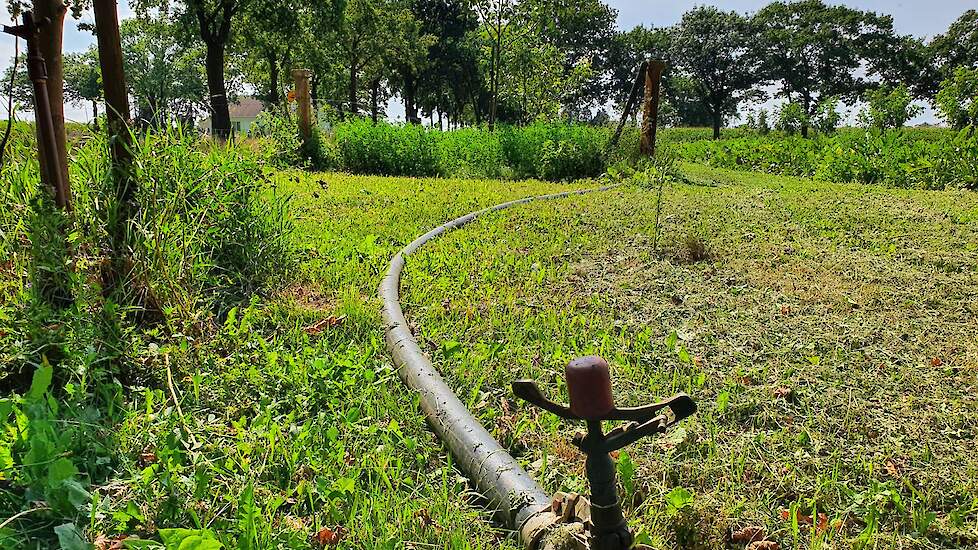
column 245, row 107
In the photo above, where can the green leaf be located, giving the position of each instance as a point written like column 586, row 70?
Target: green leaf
column 677, row 499
column 141, row 544
column 723, row 400
column 60, row 470
column 450, row 348
column 70, row 538
column 41, row 381
column 247, row 517
column 190, row 539
column 671, row 340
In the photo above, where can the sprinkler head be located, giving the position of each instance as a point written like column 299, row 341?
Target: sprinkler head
column 589, row 387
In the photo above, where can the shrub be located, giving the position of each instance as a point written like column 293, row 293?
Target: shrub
column 792, row 118
column 928, row 160
column 763, row 126
column 827, row 117
column 554, row 151
column 387, row 149
column 958, row 99
column 470, row 152
column 888, row 107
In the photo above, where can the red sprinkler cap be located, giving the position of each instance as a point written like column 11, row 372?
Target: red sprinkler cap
column 589, row 387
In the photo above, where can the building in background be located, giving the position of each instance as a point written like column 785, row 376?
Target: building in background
column 244, row 111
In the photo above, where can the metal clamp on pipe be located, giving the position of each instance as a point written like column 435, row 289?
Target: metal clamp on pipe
column 591, row 401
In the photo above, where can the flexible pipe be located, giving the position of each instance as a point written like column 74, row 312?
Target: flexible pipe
column 518, row 500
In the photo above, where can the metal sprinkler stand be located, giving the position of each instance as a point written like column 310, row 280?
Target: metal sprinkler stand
column 589, row 388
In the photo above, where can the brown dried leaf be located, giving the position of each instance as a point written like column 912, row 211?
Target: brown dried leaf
column 936, row 362
column 147, row 457
column 329, row 322
column 103, row 542
column 763, row 545
column 823, row 523
column 329, row 537
column 747, row 534
column 892, row 468
column 784, row 393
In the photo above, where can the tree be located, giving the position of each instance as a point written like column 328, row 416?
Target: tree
column 534, row 80
column 266, row 33
column 582, row 32
column 958, row 99
column 791, row 118
column 888, row 107
column 211, row 21
column 445, row 78
column 361, row 39
column 500, row 29
column 714, row 49
column 958, row 47
column 164, row 72
column 814, row 51
column 83, row 79
column 827, row 117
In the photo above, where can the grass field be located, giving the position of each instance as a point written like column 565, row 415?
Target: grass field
column 828, row 333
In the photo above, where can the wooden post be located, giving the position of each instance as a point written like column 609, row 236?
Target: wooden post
column 120, row 143
column 113, row 79
column 304, row 101
column 49, row 18
column 650, row 111
column 49, row 141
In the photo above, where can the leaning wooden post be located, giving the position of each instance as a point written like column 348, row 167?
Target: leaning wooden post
column 120, row 143
column 650, row 111
column 304, row 101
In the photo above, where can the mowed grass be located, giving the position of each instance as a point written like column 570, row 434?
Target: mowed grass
column 291, row 417
column 829, row 334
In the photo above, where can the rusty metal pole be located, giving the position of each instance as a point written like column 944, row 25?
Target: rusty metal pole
column 304, row 101
column 48, row 155
column 650, row 111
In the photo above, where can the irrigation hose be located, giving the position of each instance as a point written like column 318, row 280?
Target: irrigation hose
column 519, row 501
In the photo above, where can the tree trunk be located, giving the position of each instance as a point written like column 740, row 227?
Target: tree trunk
column 374, row 93
column 410, row 108
column 273, row 68
column 220, row 114
column 493, row 87
column 51, row 39
column 807, row 102
column 95, row 115
column 717, row 122
column 354, row 83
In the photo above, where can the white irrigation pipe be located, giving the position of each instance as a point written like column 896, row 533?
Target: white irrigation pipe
column 519, row 501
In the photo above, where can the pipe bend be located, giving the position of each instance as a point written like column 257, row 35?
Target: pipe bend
column 518, row 500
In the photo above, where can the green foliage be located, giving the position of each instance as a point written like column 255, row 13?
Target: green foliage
column 763, row 126
column 813, row 50
column 382, row 148
column 554, row 151
column 909, row 159
column 792, row 118
column 470, row 152
column 958, row 99
column 827, row 117
column 714, row 47
column 888, row 107
column 282, row 147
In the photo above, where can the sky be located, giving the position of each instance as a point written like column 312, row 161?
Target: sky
column 921, row 18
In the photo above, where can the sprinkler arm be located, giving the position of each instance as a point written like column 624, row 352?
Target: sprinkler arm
column 681, row 405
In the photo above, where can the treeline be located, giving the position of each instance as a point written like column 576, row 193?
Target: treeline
column 471, row 62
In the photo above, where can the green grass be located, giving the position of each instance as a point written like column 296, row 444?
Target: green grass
column 827, row 332
column 290, row 418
